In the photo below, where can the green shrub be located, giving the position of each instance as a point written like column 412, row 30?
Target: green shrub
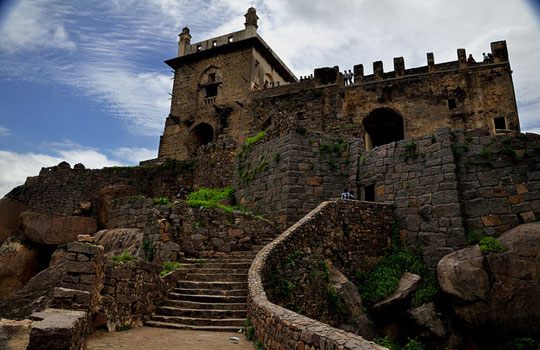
column 250, row 141
column 162, row 201
column 250, row 330
column 524, row 343
column 149, row 250
column 427, row 291
column 490, row 245
column 122, row 327
column 123, row 257
column 170, row 266
column 473, row 237
column 414, row 344
column 387, row 343
column 411, row 151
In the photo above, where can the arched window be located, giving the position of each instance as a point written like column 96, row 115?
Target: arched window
column 201, row 135
column 382, row 126
column 210, row 81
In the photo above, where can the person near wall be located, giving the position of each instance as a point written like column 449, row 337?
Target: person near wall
column 346, row 194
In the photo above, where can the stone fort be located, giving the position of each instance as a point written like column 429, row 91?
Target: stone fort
column 434, row 153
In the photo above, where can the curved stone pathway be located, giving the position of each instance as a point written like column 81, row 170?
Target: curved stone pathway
column 148, row 338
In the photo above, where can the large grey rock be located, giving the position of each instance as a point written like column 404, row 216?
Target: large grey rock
column 115, row 241
column 10, row 210
column 58, row 329
column 14, row 335
column 408, row 284
column 18, row 264
column 499, row 290
column 53, row 230
column 427, row 321
column 358, row 323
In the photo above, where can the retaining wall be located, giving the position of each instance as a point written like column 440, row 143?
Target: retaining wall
column 353, row 235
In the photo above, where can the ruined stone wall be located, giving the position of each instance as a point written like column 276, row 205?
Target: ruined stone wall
column 131, row 292
column 215, row 166
column 59, row 190
column 353, row 235
column 480, row 92
column 177, row 230
column 449, row 183
column 499, row 179
column 286, row 177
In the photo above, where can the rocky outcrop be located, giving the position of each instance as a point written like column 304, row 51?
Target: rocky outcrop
column 358, row 322
column 499, row 290
column 107, row 195
column 117, row 240
column 408, row 284
column 427, row 321
column 10, row 209
column 35, row 295
column 53, row 230
column 18, row 264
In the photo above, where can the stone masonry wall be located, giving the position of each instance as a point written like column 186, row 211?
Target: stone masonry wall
column 59, row 190
column 178, row 230
column 420, row 177
column 131, row 292
column 499, row 179
column 447, row 184
column 353, row 235
column 286, row 177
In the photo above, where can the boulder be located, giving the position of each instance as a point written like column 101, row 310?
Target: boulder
column 14, row 335
column 116, row 240
column 358, row 323
column 58, row 329
column 427, row 321
column 408, row 284
column 10, row 209
column 35, row 295
column 53, row 230
column 18, row 263
column 106, row 195
column 498, row 290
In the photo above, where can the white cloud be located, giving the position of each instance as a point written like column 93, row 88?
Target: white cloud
column 133, row 155
column 31, row 26
column 4, row 131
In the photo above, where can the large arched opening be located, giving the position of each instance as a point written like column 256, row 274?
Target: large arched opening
column 202, row 134
column 382, row 126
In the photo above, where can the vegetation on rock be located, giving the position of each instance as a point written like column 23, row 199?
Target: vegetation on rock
column 170, row 266
column 211, row 198
column 123, row 257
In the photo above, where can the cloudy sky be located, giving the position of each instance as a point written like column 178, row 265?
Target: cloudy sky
column 84, row 81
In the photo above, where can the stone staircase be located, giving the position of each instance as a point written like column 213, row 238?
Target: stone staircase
column 212, row 295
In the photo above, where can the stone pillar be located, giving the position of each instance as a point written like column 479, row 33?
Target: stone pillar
column 378, row 70
column 430, row 62
column 251, row 22
column 499, row 51
column 399, row 66
column 358, row 73
column 184, row 41
column 462, row 58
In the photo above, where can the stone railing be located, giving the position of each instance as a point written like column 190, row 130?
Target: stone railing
column 350, row 233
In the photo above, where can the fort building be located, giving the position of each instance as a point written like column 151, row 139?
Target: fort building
column 232, row 86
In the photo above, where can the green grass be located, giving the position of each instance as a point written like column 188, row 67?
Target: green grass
column 490, row 245
column 162, row 201
column 412, row 344
column 170, row 266
column 210, row 198
column 123, row 257
column 250, row 141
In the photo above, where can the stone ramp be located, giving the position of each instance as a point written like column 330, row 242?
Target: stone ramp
column 212, row 295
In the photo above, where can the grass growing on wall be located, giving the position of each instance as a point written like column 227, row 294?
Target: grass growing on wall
column 123, row 257
column 211, row 198
column 170, row 266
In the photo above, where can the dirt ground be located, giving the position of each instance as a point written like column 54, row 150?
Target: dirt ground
column 159, row 338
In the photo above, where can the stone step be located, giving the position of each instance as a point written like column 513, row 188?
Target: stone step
column 194, row 328
column 201, row 313
column 208, row 298
column 217, row 271
column 197, row 321
column 203, row 306
column 215, row 277
column 198, row 291
column 212, row 285
column 218, row 265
